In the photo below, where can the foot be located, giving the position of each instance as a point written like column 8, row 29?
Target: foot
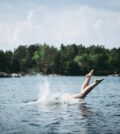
column 98, row 81
column 90, row 74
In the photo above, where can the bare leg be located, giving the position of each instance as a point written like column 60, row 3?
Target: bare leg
column 86, row 90
column 87, row 80
column 89, row 88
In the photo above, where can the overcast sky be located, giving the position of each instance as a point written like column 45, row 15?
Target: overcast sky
column 59, row 21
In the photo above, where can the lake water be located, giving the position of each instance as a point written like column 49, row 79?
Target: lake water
column 38, row 105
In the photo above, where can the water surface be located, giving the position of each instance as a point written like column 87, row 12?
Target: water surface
column 28, row 105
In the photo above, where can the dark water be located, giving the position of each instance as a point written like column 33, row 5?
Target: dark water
column 23, row 112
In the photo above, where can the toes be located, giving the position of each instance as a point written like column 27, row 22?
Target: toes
column 98, row 81
column 90, row 74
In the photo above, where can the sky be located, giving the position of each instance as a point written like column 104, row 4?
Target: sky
column 55, row 22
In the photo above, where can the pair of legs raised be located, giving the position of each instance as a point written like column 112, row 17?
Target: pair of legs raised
column 86, row 88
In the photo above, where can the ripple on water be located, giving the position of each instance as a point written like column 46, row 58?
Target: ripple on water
column 34, row 124
column 22, row 113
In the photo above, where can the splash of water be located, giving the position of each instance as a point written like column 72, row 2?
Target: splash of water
column 44, row 91
column 46, row 96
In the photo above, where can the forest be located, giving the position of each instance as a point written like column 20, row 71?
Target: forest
column 69, row 60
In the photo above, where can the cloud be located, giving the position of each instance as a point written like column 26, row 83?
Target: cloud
column 85, row 25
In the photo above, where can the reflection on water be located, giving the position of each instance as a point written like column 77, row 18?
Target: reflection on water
column 91, row 119
column 42, row 107
column 85, row 110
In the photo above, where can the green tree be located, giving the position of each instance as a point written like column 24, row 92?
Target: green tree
column 8, row 61
column 47, row 59
column 19, row 59
column 114, row 60
column 2, row 61
column 84, row 62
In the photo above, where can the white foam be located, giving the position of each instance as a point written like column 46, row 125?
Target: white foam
column 46, row 96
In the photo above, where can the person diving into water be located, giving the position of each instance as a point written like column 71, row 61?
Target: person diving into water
column 86, row 87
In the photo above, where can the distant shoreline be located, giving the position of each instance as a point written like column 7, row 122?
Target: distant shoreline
column 8, row 75
column 16, row 75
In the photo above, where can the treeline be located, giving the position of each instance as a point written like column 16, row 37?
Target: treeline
column 66, row 60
